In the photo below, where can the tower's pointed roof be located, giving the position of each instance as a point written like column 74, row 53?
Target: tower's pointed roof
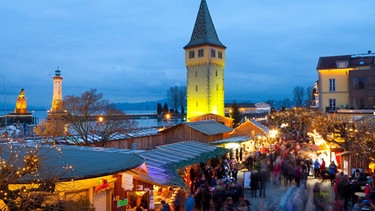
column 204, row 30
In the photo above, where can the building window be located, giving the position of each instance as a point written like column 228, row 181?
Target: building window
column 332, row 85
column 361, row 83
column 220, row 55
column 213, row 53
column 200, row 53
column 191, row 54
column 196, row 103
column 370, row 102
column 361, row 62
column 332, row 103
column 196, row 74
column 358, row 83
column 196, row 88
column 216, row 73
column 217, row 87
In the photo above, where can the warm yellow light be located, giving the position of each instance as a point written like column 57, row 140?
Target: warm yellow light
column 273, row 133
column 100, row 119
column 167, row 116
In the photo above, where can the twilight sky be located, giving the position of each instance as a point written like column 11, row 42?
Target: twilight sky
column 132, row 51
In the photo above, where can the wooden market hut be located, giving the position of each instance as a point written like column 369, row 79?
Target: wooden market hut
column 205, row 131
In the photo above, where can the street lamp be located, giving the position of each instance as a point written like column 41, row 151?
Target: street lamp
column 167, row 117
column 100, row 120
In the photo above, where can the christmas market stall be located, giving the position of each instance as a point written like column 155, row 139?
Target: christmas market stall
column 59, row 177
column 168, row 169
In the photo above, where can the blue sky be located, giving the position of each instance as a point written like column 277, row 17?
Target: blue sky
column 132, row 51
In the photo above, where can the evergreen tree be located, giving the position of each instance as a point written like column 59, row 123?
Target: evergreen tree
column 159, row 109
column 165, row 108
column 235, row 114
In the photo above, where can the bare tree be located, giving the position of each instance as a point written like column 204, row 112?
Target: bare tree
column 177, row 97
column 309, row 96
column 182, row 98
column 173, row 95
column 90, row 114
column 298, row 95
column 52, row 127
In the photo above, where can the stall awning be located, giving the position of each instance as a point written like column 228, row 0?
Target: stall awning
column 164, row 161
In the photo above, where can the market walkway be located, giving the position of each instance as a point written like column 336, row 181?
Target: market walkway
column 276, row 194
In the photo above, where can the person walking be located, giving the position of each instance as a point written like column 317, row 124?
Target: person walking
column 343, row 190
column 165, row 206
column 189, row 203
column 262, row 183
column 323, row 169
column 332, row 169
column 316, row 168
column 298, row 175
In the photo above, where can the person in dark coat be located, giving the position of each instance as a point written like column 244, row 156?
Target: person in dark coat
column 220, row 172
column 262, row 183
column 219, row 196
column 165, row 206
column 250, row 163
column 254, row 183
column 192, row 178
column 343, row 190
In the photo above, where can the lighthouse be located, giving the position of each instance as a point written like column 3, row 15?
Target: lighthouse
column 57, row 101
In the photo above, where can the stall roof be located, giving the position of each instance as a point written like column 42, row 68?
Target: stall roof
column 260, row 126
column 164, row 161
column 237, row 139
column 70, row 162
column 209, row 127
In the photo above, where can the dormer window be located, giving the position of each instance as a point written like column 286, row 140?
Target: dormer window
column 342, row 64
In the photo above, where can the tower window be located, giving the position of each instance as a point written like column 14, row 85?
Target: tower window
column 213, row 53
column 191, row 54
column 217, row 87
column 216, row 73
column 220, row 55
column 196, row 88
column 196, row 103
column 200, row 53
column 196, row 74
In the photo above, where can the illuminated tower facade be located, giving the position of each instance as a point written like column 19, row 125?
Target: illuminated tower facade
column 205, row 61
column 57, row 100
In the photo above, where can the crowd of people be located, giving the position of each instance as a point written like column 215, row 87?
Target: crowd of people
column 218, row 189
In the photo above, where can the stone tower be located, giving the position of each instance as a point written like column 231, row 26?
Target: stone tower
column 205, row 61
column 57, row 101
